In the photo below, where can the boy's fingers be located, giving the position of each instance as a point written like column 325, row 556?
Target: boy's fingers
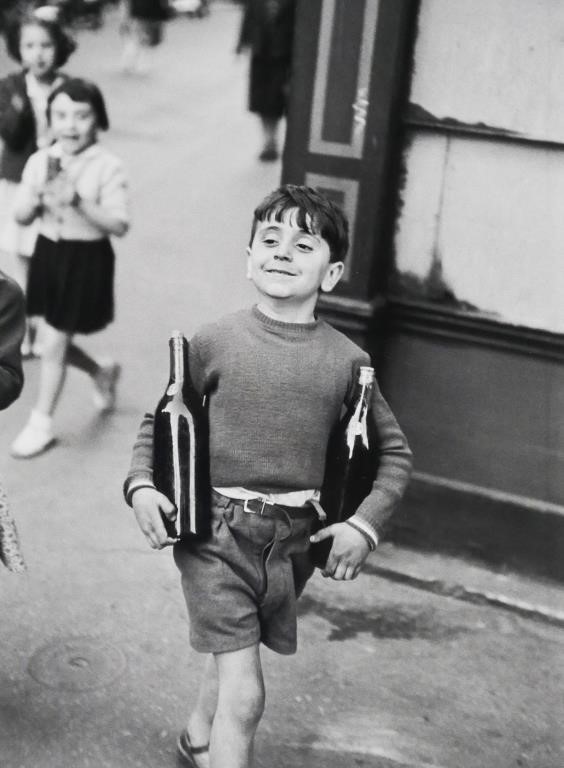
column 323, row 533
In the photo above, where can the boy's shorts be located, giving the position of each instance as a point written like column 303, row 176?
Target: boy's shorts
column 242, row 584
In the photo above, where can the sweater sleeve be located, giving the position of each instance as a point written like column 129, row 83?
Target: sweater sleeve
column 17, row 126
column 140, row 472
column 12, row 326
column 394, row 469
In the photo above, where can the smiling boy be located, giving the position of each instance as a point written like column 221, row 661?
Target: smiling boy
column 276, row 379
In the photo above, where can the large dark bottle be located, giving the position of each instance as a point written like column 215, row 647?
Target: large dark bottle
column 181, row 448
column 351, row 463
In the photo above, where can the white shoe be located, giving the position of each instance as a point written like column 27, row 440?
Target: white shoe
column 35, row 438
column 105, row 382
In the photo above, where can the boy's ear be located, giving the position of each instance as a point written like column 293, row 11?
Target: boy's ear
column 248, row 252
column 332, row 276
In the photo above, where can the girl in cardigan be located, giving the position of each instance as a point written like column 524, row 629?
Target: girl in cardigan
column 78, row 191
column 39, row 43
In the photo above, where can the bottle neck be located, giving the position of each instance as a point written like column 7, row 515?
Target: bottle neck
column 177, row 363
column 357, row 426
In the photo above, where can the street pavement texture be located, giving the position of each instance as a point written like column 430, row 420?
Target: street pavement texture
column 95, row 667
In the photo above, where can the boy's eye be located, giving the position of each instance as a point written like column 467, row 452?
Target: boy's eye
column 270, row 241
column 306, row 247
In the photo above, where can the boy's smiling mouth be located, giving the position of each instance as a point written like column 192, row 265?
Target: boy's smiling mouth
column 280, row 272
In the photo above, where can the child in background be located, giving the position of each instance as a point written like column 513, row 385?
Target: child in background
column 276, row 380
column 78, row 191
column 40, row 44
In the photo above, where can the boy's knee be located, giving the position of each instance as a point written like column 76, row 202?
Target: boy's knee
column 245, row 701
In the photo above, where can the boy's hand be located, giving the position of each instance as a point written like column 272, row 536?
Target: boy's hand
column 148, row 503
column 349, row 551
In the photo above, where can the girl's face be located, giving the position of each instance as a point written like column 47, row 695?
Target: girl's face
column 73, row 123
column 37, row 51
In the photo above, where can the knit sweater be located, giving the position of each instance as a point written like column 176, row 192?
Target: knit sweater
column 275, row 390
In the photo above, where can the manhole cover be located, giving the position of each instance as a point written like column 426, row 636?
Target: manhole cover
column 76, row 664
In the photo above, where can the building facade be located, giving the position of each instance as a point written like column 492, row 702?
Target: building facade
column 439, row 126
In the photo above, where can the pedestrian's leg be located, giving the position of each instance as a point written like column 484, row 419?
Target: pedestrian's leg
column 37, row 435
column 21, row 272
column 270, row 138
column 104, row 376
column 240, row 705
column 53, row 369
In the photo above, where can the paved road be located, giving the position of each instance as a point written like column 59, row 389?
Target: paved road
column 95, row 670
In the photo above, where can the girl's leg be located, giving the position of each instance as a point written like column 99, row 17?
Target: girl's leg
column 37, row 435
column 240, row 705
column 53, row 369
column 104, row 376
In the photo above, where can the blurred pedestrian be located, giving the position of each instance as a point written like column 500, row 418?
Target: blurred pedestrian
column 142, row 28
column 12, row 329
column 39, row 43
column 78, row 191
column 267, row 29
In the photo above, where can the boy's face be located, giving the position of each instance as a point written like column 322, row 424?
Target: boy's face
column 288, row 263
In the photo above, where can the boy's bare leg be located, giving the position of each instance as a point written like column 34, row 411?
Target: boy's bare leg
column 240, row 705
column 201, row 718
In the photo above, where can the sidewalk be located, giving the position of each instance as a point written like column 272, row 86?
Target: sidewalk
column 454, row 577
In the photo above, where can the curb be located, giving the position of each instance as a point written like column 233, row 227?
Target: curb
column 467, row 594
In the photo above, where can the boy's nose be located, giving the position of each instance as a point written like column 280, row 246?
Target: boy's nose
column 283, row 251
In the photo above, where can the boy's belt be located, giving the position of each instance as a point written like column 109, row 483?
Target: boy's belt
column 278, row 511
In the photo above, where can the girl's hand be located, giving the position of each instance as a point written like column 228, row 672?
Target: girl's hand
column 148, row 503
column 349, row 551
column 28, row 206
column 59, row 193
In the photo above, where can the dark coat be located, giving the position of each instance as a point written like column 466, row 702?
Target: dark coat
column 148, row 10
column 17, row 127
column 268, row 28
column 12, row 326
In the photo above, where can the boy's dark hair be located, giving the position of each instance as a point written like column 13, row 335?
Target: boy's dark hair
column 64, row 43
column 78, row 89
column 316, row 214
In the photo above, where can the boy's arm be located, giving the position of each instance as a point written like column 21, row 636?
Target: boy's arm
column 12, row 327
column 395, row 462
column 140, row 493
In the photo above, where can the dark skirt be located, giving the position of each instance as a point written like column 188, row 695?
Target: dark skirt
column 71, row 284
column 268, row 86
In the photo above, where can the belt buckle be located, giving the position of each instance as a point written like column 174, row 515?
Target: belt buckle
column 253, row 511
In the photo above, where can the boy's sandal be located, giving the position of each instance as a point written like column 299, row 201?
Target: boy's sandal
column 186, row 751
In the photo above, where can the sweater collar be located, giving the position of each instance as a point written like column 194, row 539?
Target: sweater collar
column 282, row 327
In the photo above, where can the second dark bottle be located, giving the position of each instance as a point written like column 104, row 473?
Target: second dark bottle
column 351, row 462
